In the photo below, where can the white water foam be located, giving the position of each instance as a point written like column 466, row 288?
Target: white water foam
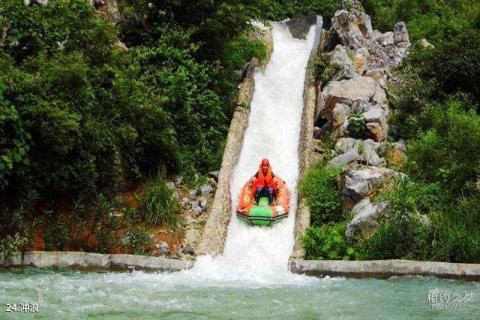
column 261, row 254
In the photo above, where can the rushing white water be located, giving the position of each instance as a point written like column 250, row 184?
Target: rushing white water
column 256, row 253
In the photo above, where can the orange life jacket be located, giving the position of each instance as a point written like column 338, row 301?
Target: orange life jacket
column 264, row 180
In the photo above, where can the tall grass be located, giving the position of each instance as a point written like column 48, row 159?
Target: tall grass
column 159, row 206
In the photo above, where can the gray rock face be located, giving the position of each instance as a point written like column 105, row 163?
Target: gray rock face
column 340, row 114
column 162, row 247
column 375, row 114
column 345, row 159
column 365, row 149
column 345, row 144
column 376, row 119
column 353, row 28
column 299, row 27
column 385, row 39
column 340, row 57
column 376, row 73
column 363, row 181
column 202, row 201
column 359, row 182
column 402, row 39
column 366, row 216
column 178, row 181
column 361, row 106
column 370, row 155
column 347, row 92
column 206, row 189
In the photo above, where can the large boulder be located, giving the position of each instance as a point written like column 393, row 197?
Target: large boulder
column 366, row 217
column 376, row 120
column 353, row 28
column 366, row 150
column 345, row 65
column 345, row 159
column 348, row 92
column 339, row 114
column 365, row 181
column 402, row 39
column 384, row 39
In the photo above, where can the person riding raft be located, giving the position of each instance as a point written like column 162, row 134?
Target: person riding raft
column 264, row 198
column 263, row 183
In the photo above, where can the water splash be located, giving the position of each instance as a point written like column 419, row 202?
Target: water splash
column 254, row 253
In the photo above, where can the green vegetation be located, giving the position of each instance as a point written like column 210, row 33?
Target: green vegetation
column 321, row 191
column 436, row 109
column 328, row 242
column 281, row 9
column 137, row 240
column 82, row 118
column 433, row 215
column 431, row 19
column 357, row 125
column 159, row 206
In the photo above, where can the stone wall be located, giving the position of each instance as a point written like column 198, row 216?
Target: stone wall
column 93, row 261
column 215, row 231
column 383, row 269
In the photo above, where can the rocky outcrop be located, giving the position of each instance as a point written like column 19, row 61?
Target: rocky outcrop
column 366, row 217
column 353, row 109
column 299, row 27
column 360, row 182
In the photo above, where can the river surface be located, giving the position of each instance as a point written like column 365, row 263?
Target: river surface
column 251, row 279
column 75, row 295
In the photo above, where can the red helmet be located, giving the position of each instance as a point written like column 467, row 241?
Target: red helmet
column 265, row 162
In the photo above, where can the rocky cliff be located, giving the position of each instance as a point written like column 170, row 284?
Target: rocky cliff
column 353, row 70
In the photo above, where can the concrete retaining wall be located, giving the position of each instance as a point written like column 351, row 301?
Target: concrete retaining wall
column 215, row 231
column 94, row 261
column 302, row 215
column 213, row 238
column 383, row 269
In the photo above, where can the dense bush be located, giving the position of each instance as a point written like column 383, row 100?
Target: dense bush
column 159, row 206
column 447, row 152
column 282, row 9
column 11, row 244
column 357, row 125
column 405, row 234
column 447, row 233
column 320, row 189
column 80, row 116
column 431, row 19
column 328, row 242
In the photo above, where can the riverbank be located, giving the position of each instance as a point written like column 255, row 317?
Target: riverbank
column 378, row 269
column 88, row 261
column 384, row 269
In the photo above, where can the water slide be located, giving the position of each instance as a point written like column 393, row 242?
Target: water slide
column 256, row 253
